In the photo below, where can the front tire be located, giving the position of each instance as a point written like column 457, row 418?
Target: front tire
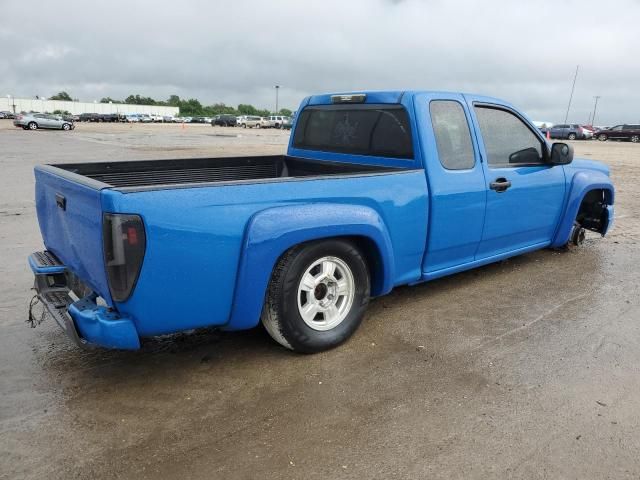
column 317, row 296
column 602, row 137
column 32, row 126
column 572, row 136
column 66, row 126
column 635, row 138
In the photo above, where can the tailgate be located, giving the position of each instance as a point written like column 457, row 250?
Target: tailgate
column 70, row 217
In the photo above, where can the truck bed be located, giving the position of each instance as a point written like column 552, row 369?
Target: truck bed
column 154, row 174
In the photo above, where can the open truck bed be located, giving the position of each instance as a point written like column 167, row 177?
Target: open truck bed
column 156, row 174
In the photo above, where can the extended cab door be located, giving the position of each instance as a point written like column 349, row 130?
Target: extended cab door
column 525, row 194
column 457, row 193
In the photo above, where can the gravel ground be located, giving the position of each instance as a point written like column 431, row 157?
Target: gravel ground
column 527, row 368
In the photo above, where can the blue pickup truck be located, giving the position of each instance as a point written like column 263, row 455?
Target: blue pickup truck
column 377, row 189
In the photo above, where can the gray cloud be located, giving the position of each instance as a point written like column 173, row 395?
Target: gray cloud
column 233, row 52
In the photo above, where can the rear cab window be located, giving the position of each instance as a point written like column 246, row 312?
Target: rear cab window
column 453, row 137
column 378, row 130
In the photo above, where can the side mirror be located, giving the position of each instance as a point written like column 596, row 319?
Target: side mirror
column 561, row 154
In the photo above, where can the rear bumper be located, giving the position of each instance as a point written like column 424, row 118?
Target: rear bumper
column 85, row 322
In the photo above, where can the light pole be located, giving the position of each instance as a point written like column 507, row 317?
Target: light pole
column 595, row 106
column 277, row 89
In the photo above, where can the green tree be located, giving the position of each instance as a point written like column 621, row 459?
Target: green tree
column 109, row 99
column 61, row 96
column 61, row 112
column 285, row 111
column 247, row 109
column 139, row 100
column 174, row 101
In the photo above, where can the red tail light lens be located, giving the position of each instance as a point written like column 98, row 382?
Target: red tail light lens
column 124, row 243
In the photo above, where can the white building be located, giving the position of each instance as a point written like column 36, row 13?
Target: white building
column 18, row 105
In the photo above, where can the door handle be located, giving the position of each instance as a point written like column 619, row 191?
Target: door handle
column 500, row 184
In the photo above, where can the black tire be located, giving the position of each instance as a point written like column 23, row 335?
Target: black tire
column 281, row 314
column 572, row 136
column 244, row 125
column 602, row 137
column 25, row 128
column 66, row 126
column 32, row 126
column 635, row 138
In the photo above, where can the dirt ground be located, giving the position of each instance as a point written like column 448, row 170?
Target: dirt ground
column 528, row 368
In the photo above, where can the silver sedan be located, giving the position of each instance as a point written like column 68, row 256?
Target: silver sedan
column 34, row 121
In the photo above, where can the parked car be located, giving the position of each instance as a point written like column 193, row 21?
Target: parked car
column 287, row 123
column 377, row 190
column 34, row 121
column 251, row 121
column 630, row 132
column 7, row 114
column 145, row 118
column 109, row 117
column 274, row 121
column 224, row 121
column 132, row 118
column 157, row 118
column 168, row 119
column 568, row 131
column 89, row 117
column 589, row 131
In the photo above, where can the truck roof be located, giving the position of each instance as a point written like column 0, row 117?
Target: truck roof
column 393, row 96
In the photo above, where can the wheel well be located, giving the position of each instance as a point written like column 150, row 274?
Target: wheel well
column 593, row 208
column 374, row 260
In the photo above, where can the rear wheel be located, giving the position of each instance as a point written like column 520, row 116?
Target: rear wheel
column 602, row 137
column 32, row 126
column 572, row 136
column 244, row 125
column 635, row 138
column 317, row 296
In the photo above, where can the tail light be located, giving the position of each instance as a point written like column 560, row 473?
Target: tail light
column 124, row 243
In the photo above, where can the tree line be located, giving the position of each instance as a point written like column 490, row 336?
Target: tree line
column 189, row 108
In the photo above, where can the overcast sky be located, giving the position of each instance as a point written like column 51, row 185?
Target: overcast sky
column 236, row 51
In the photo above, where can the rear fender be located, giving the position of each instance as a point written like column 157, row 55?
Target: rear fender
column 583, row 183
column 273, row 231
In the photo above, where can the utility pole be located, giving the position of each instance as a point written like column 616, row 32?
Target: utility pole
column 571, row 96
column 595, row 106
column 277, row 88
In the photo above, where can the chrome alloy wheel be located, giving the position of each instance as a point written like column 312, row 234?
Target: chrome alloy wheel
column 325, row 293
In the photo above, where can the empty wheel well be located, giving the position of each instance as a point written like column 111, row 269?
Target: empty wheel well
column 593, row 210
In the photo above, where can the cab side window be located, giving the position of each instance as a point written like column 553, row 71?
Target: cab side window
column 453, row 138
column 508, row 140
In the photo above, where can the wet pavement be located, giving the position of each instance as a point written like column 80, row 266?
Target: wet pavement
column 528, row 368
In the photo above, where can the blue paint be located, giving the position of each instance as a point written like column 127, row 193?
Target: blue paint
column 210, row 250
column 98, row 325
